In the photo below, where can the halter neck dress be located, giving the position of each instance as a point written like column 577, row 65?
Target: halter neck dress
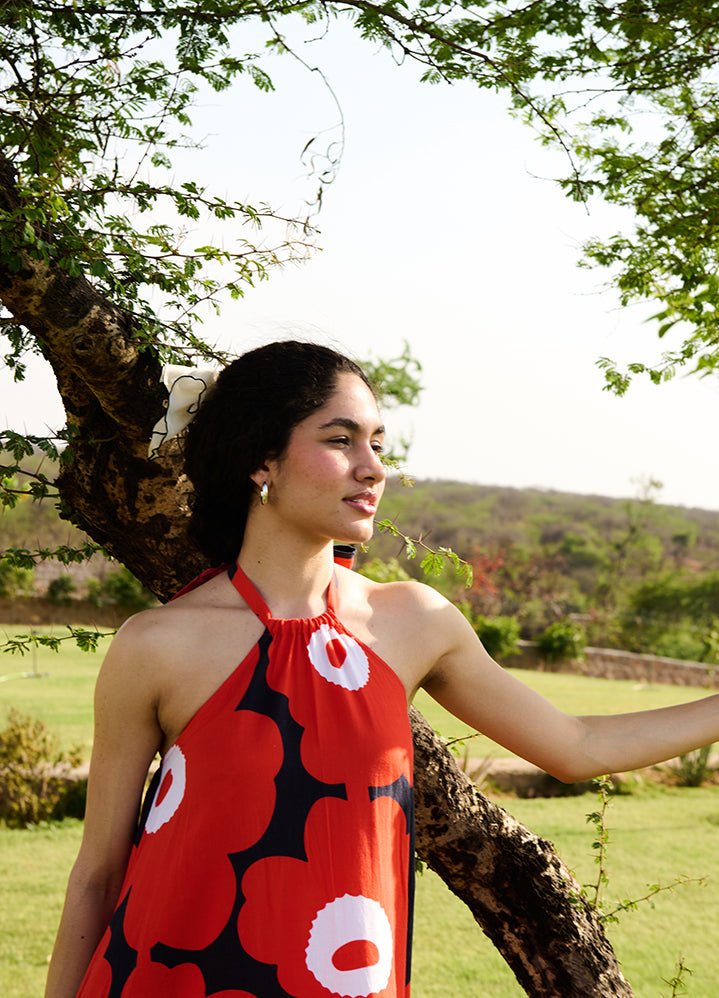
column 274, row 855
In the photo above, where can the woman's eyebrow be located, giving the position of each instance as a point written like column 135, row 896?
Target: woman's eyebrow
column 350, row 424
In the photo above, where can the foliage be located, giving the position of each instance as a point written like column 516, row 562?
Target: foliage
column 499, row 635
column 84, row 639
column 121, row 587
column 14, row 580
column 95, row 103
column 675, row 614
column 97, row 99
column 384, row 571
column 28, row 465
column 603, row 787
column 60, row 590
column 594, row 892
column 434, row 561
column 563, row 640
column 676, row 596
column 396, row 381
column 541, row 556
column 693, row 769
column 33, row 772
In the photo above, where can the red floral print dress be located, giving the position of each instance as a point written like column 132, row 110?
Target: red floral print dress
column 274, row 856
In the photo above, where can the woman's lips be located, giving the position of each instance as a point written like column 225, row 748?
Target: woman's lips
column 366, row 504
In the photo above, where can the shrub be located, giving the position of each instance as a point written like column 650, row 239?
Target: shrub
column 34, row 772
column 60, row 590
column 693, row 768
column 93, row 591
column 562, row 640
column 121, row 587
column 384, row 571
column 14, row 580
column 499, row 635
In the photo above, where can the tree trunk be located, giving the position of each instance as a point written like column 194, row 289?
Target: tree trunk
column 113, row 397
column 518, row 890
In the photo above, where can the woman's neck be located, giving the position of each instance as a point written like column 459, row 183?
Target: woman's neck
column 292, row 578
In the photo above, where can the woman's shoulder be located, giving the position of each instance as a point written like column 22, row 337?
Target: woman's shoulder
column 405, row 594
column 408, row 624
column 162, row 630
column 396, row 608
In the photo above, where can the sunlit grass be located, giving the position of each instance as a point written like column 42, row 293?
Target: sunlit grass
column 654, row 839
column 34, row 867
column 56, row 687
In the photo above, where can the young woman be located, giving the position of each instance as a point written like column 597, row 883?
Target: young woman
column 273, row 855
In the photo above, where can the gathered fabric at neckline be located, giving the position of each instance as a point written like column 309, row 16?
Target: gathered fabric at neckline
column 259, row 607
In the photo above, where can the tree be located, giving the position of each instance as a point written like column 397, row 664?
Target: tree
column 95, row 274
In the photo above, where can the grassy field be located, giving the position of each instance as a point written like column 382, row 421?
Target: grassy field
column 56, row 687
column 657, row 835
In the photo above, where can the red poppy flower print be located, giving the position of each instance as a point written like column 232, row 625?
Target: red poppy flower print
column 350, row 946
column 170, row 791
column 332, row 714
column 216, row 796
column 338, row 658
column 335, row 923
column 183, row 981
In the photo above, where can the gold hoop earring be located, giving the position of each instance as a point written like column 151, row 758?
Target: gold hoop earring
column 264, row 493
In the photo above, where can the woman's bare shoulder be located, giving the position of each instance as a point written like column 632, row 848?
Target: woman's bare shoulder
column 162, row 630
column 391, row 596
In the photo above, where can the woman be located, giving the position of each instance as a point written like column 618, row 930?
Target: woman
column 273, row 855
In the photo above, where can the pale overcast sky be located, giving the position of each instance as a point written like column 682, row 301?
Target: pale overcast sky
column 438, row 230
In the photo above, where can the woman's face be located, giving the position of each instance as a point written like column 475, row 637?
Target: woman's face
column 330, row 478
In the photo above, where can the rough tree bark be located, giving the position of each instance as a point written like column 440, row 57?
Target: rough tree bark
column 112, row 397
column 518, row 890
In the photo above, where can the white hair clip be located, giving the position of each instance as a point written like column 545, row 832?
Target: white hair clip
column 188, row 387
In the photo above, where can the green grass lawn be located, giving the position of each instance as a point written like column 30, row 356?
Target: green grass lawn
column 653, row 839
column 56, row 687
column 657, row 835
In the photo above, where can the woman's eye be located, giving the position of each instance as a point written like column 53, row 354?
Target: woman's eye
column 340, row 440
column 377, row 447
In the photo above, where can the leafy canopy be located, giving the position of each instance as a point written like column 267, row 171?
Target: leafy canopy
column 96, row 96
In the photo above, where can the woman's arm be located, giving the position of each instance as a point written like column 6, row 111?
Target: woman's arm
column 127, row 736
column 472, row 686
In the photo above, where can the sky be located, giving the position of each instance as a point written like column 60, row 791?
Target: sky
column 442, row 229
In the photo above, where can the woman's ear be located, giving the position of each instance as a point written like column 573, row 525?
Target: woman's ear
column 263, row 473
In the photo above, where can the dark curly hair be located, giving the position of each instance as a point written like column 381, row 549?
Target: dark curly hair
column 248, row 415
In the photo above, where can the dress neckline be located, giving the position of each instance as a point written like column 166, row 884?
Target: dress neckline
column 250, row 595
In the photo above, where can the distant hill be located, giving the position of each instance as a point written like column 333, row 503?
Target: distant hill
column 584, row 537
column 467, row 517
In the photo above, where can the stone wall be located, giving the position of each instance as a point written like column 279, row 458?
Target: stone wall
column 608, row 663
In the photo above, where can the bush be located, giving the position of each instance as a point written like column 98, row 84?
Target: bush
column 34, row 773
column 14, row 580
column 499, row 635
column 93, row 591
column 693, row 768
column 60, row 590
column 384, row 571
column 122, row 588
column 562, row 640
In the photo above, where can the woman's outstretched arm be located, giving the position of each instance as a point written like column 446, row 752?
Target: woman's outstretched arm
column 472, row 686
